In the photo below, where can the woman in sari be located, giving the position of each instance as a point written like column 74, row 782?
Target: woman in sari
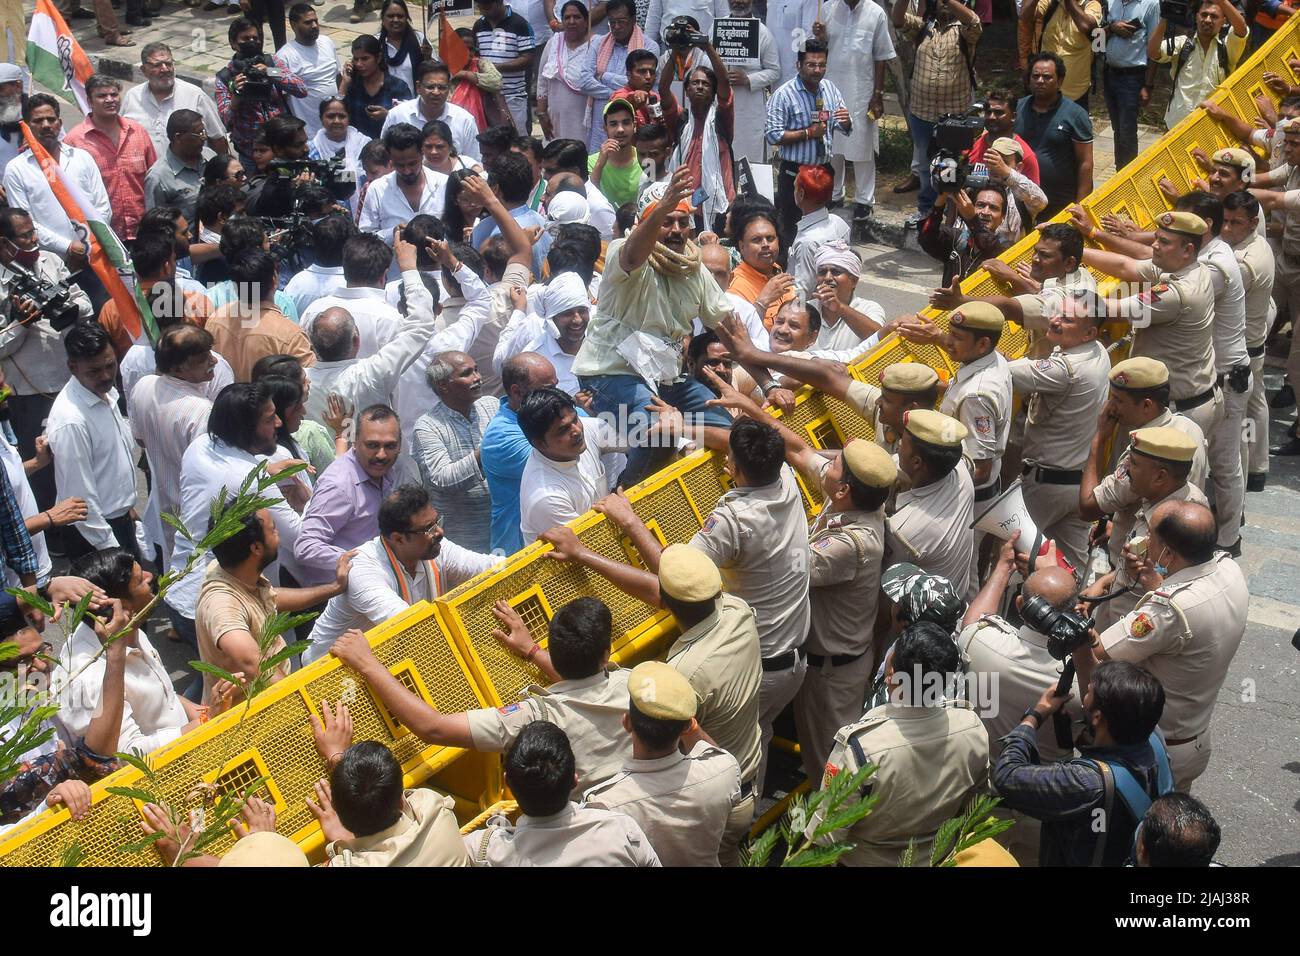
column 562, row 107
column 337, row 135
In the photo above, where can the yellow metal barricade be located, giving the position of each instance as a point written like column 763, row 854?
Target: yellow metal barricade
column 446, row 653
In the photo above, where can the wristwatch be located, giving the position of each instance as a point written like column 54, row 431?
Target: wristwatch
column 1032, row 712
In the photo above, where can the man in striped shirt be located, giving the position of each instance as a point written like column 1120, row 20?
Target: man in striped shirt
column 505, row 38
column 802, row 117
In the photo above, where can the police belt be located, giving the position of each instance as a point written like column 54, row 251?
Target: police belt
column 837, row 660
column 1181, row 741
column 991, row 490
column 1053, row 476
column 1185, row 404
column 783, row 662
column 1255, row 352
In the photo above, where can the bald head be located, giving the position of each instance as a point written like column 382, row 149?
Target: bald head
column 442, row 368
column 524, row 374
column 717, row 259
column 1053, row 584
column 1187, row 529
column 334, row 335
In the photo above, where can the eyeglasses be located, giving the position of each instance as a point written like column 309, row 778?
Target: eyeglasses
column 427, row 529
column 160, row 64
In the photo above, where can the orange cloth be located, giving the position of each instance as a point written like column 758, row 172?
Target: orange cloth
column 747, row 282
column 242, row 340
column 197, row 310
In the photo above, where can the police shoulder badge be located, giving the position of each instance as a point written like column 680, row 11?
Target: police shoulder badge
column 1154, row 293
column 1141, row 625
column 709, row 522
column 507, row 709
column 1043, row 364
column 831, row 771
column 984, row 425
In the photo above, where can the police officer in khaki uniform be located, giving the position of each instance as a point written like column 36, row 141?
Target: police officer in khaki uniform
column 1184, row 631
column 1064, row 390
column 932, row 756
column 930, row 524
column 757, row 535
column 1286, row 288
column 551, row 830
column 717, row 651
column 979, row 395
column 1242, row 232
column 587, row 700
column 679, row 787
column 1173, row 316
column 1158, row 464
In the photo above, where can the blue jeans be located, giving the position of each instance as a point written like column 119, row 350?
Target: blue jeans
column 622, row 400
column 922, row 133
column 1122, row 90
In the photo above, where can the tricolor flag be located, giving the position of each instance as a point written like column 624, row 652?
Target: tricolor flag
column 108, row 257
column 55, row 57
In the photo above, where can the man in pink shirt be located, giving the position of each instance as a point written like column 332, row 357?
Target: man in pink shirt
column 999, row 121
column 121, row 148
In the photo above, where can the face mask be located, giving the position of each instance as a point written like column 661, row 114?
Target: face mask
column 250, row 49
column 1162, row 569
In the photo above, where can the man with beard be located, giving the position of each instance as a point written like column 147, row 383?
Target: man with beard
column 236, row 600
column 32, row 359
column 653, row 287
column 314, row 58
column 410, row 189
column 241, row 434
column 94, row 451
column 555, row 327
column 11, row 112
column 407, row 562
column 152, row 103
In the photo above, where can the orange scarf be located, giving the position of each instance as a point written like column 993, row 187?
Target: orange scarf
column 403, row 588
column 747, row 282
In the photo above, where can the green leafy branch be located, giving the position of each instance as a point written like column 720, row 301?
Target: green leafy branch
column 810, row 827
column 962, row 832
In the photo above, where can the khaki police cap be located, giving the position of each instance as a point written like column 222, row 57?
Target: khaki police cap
column 1187, row 222
column 1007, row 144
column 870, row 464
column 934, row 428
column 688, row 574
column 1139, row 373
column 658, row 690
column 978, row 315
column 1164, row 442
column 264, row 848
column 909, row 377
column 1235, row 156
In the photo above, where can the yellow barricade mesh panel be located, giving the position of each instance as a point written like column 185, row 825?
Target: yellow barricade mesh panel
column 460, row 664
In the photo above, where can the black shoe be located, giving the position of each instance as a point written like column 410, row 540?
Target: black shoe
column 1289, row 450
column 80, row 14
column 1234, row 549
column 1256, row 480
column 140, row 20
column 1284, row 397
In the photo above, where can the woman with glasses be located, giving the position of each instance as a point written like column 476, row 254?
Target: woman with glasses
column 224, row 171
column 440, row 151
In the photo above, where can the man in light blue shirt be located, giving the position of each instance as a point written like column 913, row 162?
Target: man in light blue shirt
column 512, row 179
column 1127, row 86
column 505, row 450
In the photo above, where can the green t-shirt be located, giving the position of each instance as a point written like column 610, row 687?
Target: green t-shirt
column 618, row 183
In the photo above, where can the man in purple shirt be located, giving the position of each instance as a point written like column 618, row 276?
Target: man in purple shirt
column 343, row 512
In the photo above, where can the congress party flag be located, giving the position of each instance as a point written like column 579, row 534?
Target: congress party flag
column 55, row 57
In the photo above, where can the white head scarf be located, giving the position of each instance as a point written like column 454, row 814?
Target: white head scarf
column 565, row 291
column 566, row 207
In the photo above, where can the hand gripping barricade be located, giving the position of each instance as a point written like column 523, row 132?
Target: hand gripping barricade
column 445, row 652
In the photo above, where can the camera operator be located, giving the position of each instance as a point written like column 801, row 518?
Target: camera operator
column 973, row 235
column 1122, row 706
column 31, row 349
column 1184, row 631
column 1200, row 62
column 252, row 88
column 1021, row 664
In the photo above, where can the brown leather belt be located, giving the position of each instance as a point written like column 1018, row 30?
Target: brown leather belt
column 1179, row 742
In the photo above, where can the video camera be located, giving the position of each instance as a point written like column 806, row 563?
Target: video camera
column 332, row 174
column 683, row 33
column 954, row 135
column 53, row 299
column 1176, row 11
column 258, row 84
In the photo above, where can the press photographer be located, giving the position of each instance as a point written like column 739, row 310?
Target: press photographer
column 1198, row 62
column 963, row 228
column 35, row 285
column 280, row 190
column 252, row 88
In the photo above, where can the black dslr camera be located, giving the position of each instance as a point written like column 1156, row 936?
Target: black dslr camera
column 684, row 33
column 1066, row 631
column 53, row 299
column 1176, row 11
column 258, row 84
column 954, row 135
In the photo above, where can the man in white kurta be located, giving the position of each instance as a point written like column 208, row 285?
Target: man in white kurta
column 790, row 22
column 750, row 80
column 851, row 29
